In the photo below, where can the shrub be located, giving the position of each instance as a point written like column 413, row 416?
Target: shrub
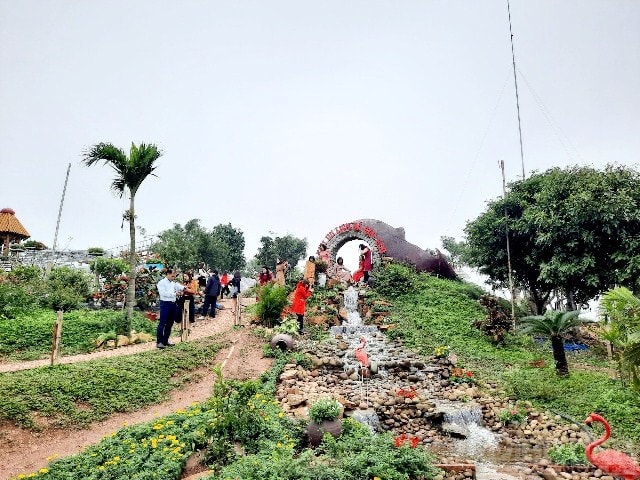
column 65, row 288
column 95, row 251
column 325, row 409
column 512, row 415
column 273, row 299
column 15, row 300
column 395, row 279
column 497, row 322
column 568, row 454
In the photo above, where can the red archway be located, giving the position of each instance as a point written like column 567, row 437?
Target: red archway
column 346, row 232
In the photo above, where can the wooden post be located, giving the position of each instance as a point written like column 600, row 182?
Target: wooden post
column 184, row 332
column 57, row 333
column 238, row 318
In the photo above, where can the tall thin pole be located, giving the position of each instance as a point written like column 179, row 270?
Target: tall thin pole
column 515, row 81
column 55, row 237
column 506, row 234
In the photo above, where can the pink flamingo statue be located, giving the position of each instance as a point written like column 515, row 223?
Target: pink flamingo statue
column 612, row 462
column 363, row 359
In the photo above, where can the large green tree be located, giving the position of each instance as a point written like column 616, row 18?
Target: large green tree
column 575, row 230
column 288, row 247
column 185, row 247
column 130, row 171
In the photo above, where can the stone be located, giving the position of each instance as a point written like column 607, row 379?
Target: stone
column 122, row 340
column 296, row 400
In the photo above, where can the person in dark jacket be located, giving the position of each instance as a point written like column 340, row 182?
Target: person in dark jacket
column 211, row 292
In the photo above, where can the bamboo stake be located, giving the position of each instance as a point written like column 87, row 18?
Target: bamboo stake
column 184, row 333
column 57, row 334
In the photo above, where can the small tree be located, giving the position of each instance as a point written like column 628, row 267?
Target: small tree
column 130, row 172
column 553, row 325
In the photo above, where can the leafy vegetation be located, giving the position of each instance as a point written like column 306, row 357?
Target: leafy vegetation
column 186, row 247
column 29, row 335
column 80, row 393
column 325, row 409
column 288, row 247
column 621, row 327
column 272, row 298
column 441, row 312
column 553, row 325
column 576, row 230
column 568, row 454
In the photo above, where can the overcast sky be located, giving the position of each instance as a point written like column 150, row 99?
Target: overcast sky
column 297, row 116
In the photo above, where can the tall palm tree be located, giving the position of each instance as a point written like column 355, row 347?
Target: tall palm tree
column 553, row 325
column 130, row 172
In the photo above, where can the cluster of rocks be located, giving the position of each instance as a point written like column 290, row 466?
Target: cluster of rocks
column 411, row 396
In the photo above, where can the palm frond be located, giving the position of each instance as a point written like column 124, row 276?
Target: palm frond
column 553, row 323
column 107, row 153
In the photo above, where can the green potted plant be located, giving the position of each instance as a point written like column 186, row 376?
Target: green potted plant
column 325, row 418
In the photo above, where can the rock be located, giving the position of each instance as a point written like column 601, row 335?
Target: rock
column 296, row 400
column 598, row 473
column 289, row 375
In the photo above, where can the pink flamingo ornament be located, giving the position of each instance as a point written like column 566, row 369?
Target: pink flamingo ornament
column 611, row 462
column 362, row 357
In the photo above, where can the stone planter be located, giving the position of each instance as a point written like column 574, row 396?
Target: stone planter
column 282, row 341
column 315, row 432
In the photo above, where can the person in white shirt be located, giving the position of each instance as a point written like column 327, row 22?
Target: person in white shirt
column 168, row 291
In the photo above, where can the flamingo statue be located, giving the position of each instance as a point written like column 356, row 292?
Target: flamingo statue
column 363, row 359
column 611, row 462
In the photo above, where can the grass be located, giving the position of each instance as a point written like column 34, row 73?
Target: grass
column 28, row 336
column 439, row 312
column 77, row 394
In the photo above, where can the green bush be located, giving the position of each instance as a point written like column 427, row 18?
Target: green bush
column 568, row 454
column 65, row 288
column 395, row 279
column 15, row 300
column 325, row 409
column 272, row 300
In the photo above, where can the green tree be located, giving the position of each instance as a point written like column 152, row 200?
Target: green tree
column 457, row 250
column 130, row 172
column 65, row 288
column 291, row 248
column 576, row 230
column 553, row 325
column 233, row 239
column 185, row 247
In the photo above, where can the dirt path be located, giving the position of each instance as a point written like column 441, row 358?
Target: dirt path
column 25, row 451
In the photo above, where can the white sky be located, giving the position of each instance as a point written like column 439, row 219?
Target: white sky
column 297, row 116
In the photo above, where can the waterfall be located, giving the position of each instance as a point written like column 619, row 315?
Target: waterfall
column 467, row 423
column 351, row 306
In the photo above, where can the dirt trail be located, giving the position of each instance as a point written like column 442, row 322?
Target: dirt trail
column 25, row 451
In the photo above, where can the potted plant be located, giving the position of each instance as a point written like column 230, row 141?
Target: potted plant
column 95, row 251
column 321, row 272
column 325, row 418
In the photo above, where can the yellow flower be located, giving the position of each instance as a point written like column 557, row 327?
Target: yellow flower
column 43, row 470
column 280, row 415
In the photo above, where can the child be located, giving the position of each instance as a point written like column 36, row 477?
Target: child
column 302, row 293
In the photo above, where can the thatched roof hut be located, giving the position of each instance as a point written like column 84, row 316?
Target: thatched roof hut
column 11, row 230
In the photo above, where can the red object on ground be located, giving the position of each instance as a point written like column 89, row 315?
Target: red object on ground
column 611, row 462
column 411, row 393
column 361, row 354
column 153, row 316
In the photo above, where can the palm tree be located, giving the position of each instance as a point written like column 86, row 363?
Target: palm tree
column 553, row 325
column 130, row 173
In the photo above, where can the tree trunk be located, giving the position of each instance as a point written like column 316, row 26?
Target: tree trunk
column 539, row 301
column 571, row 303
column 557, row 345
column 131, row 287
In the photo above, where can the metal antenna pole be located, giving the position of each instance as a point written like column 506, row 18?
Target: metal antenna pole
column 515, row 81
column 55, row 237
column 506, row 234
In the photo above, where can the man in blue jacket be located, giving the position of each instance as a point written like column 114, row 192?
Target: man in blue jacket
column 211, row 292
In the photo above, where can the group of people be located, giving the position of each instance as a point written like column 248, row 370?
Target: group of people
column 174, row 296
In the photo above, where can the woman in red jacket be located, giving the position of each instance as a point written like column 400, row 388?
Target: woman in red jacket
column 302, row 293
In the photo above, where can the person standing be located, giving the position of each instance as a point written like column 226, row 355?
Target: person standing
column 224, row 285
column 168, row 291
column 300, row 296
column 188, row 296
column 281, row 270
column 211, row 292
column 202, row 275
column 234, row 285
column 265, row 276
column 310, row 270
column 366, row 261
